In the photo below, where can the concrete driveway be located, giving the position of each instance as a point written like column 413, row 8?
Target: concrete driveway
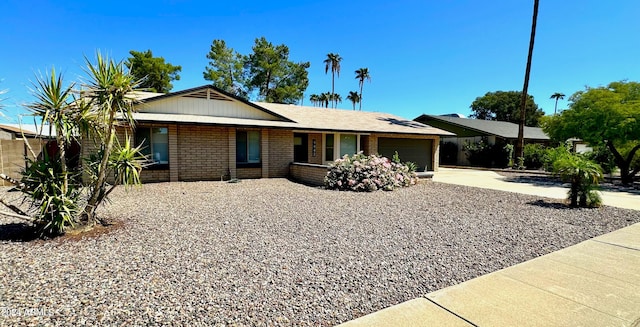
column 492, row 180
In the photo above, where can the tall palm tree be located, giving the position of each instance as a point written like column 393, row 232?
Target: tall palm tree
column 332, row 62
column 557, row 96
column 523, row 102
column 354, row 97
column 362, row 74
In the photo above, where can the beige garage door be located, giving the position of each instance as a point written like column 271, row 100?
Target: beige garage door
column 414, row 150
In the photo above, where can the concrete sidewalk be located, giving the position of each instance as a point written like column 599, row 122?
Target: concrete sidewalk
column 593, row 283
column 492, row 180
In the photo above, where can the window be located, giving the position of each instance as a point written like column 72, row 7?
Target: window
column 348, row 144
column 337, row 145
column 155, row 145
column 328, row 147
column 248, row 148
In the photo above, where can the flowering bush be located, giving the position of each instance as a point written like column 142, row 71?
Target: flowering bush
column 368, row 173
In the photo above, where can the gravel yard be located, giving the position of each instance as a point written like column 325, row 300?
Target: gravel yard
column 272, row 252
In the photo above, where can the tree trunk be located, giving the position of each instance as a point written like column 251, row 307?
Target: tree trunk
column 333, row 77
column 361, row 84
column 626, row 175
column 63, row 161
column 90, row 209
column 525, row 88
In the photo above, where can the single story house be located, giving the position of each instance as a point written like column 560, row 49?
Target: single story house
column 204, row 133
column 473, row 130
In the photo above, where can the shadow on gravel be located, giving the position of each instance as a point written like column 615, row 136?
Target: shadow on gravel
column 551, row 205
column 554, row 181
column 17, row 232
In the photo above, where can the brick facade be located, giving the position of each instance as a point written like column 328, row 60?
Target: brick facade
column 204, row 152
column 280, row 152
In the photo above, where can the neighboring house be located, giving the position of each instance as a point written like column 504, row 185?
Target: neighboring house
column 13, row 150
column 473, row 130
column 204, row 133
column 19, row 131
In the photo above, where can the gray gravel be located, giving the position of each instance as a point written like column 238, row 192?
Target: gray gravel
column 271, row 252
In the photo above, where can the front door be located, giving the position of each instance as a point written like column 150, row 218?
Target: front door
column 300, row 147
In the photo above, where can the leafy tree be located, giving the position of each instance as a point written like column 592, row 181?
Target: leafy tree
column 155, row 74
column 275, row 77
column 332, row 63
column 505, row 106
column 354, row 97
column 604, row 116
column 557, row 96
column 362, row 74
column 226, row 69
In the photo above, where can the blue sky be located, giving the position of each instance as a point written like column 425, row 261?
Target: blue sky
column 425, row 56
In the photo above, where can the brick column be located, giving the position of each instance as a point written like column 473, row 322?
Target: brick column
column 436, row 153
column 232, row 153
column 264, row 148
column 173, row 152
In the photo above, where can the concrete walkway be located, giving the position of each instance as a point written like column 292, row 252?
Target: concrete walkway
column 593, row 283
column 492, row 180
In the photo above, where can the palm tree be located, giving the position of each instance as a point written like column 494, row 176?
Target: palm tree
column 557, row 96
column 333, row 61
column 362, row 74
column 324, row 99
column 523, row 102
column 335, row 97
column 354, row 97
column 315, row 99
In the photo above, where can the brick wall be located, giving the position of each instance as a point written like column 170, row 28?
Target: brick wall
column 308, row 173
column 280, row 152
column 249, row 173
column 203, row 152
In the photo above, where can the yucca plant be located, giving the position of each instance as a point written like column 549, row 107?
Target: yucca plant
column 109, row 92
column 584, row 176
column 58, row 200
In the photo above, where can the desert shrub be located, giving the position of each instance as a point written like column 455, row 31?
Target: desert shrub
column 534, row 156
column 483, row 154
column 584, row 176
column 363, row 173
column 449, row 153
